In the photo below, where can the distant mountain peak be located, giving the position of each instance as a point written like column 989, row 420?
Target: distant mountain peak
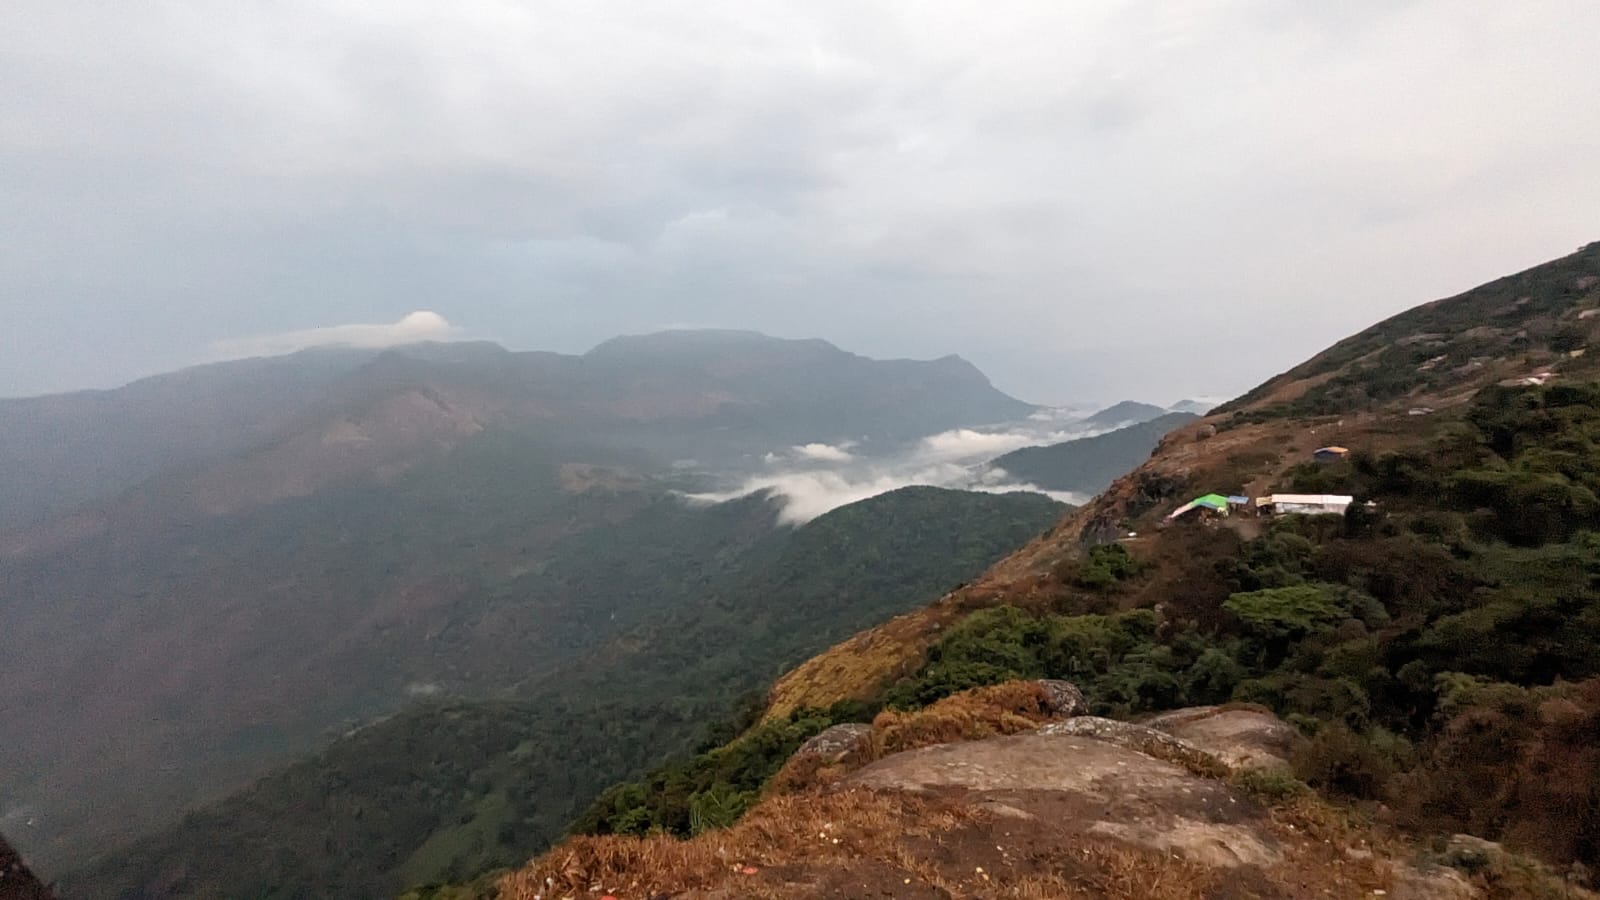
column 702, row 340
column 1127, row 412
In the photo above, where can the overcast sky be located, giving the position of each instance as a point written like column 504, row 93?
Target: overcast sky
column 1089, row 199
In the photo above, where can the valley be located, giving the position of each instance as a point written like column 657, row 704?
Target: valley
column 448, row 533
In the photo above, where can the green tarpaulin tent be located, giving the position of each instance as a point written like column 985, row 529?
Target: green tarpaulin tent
column 1213, row 502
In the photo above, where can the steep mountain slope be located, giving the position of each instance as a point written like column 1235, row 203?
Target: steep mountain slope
column 444, row 792
column 1088, row 465
column 61, row 451
column 1435, row 645
column 1252, row 443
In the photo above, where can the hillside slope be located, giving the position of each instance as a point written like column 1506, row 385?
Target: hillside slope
column 208, row 573
column 443, row 792
column 1088, row 465
column 1252, row 443
column 1436, row 646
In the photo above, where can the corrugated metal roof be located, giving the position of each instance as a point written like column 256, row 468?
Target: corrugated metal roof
column 1311, row 499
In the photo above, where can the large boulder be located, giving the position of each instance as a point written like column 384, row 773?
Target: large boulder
column 1243, row 737
column 1093, row 787
column 1062, row 699
column 838, row 743
column 1143, row 739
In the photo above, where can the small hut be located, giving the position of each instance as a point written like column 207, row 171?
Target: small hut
column 1330, row 454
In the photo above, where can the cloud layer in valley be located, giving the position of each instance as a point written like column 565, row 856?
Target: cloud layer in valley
column 813, row 479
column 1075, row 196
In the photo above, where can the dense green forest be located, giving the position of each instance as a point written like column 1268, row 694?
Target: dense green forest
column 444, row 792
column 1441, row 648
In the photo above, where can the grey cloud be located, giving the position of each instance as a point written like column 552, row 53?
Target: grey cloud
column 1069, row 194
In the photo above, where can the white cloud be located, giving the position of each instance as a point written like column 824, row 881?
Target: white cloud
column 812, row 479
column 412, row 329
column 806, row 495
column 967, row 443
column 824, row 453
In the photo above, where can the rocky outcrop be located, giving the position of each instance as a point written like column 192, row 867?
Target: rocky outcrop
column 1142, row 739
column 839, row 743
column 1062, row 699
column 1243, row 737
column 1091, row 785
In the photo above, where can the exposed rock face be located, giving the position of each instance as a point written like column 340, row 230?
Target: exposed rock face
column 1471, row 853
column 1142, row 739
column 1094, row 787
column 1062, row 699
column 16, row 882
column 1429, row 883
column 1242, row 737
column 852, row 739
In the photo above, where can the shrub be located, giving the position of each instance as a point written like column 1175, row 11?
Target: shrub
column 1106, row 566
column 1338, row 760
column 1270, row 785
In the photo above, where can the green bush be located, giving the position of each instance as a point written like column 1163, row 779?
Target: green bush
column 1270, row 785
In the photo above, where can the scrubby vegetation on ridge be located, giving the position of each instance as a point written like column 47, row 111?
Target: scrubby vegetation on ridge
column 1532, row 317
column 1441, row 650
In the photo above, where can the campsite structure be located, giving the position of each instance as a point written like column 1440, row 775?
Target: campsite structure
column 1305, row 504
column 1208, row 505
column 1330, row 454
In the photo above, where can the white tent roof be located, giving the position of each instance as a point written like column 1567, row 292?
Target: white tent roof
column 1312, row 499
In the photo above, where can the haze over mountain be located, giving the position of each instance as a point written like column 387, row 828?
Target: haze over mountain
column 207, row 573
column 707, row 605
column 711, row 396
column 396, row 560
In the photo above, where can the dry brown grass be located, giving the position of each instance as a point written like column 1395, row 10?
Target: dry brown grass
column 857, row 668
column 816, row 828
column 992, row 711
column 1010, row 708
column 1096, row 871
column 888, row 839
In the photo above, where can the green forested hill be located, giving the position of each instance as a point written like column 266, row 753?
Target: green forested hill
column 445, row 792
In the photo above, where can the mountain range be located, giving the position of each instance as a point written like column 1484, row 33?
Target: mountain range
column 209, row 574
column 1399, row 700
column 517, row 576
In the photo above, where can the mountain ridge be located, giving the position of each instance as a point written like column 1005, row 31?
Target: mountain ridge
column 1433, row 646
column 123, row 437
